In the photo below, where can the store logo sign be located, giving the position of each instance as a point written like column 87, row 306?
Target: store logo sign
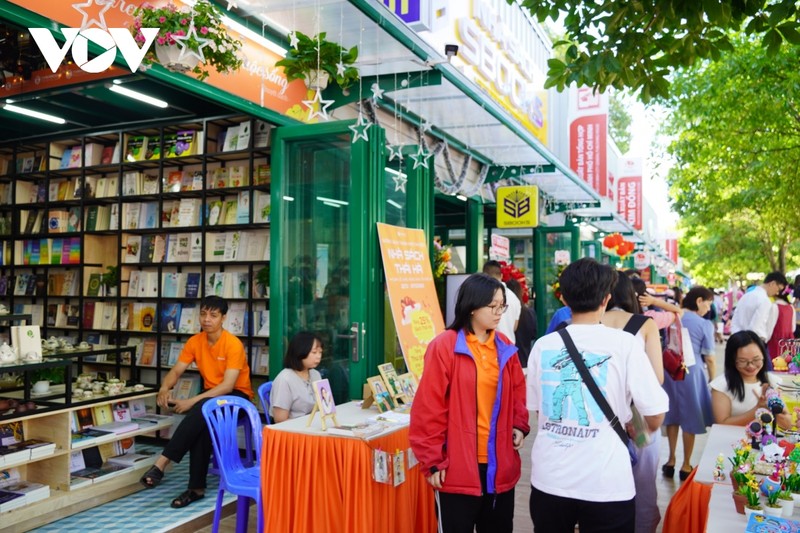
column 518, row 206
column 78, row 39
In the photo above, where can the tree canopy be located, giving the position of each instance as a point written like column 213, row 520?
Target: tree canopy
column 735, row 129
column 637, row 44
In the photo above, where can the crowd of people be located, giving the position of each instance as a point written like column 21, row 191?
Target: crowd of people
column 597, row 382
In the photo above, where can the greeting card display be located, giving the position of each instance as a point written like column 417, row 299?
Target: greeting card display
column 389, row 375
column 381, row 466
column 380, row 394
column 324, row 403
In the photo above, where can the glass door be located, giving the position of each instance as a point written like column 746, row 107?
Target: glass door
column 548, row 243
column 325, row 248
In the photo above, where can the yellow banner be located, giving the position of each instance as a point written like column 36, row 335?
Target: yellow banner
column 412, row 295
column 518, row 207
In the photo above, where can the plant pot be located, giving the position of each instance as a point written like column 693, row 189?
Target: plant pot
column 773, row 511
column 733, row 481
column 317, row 79
column 739, row 500
column 787, row 506
column 169, row 57
column 749, row 510
column 796, row 497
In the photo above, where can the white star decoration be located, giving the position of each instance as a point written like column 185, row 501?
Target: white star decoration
column 395, row 152
column 377, row 92
column 400, row 182
column 317, row 107
column 89, row 21
column 340, row 69
column 293, row 40
column 183, row 41
column 420, row 158
column 231, row 4
column 425, row 126
column 360, row 128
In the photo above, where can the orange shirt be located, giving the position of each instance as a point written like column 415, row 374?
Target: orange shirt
column 212, row 361
column 488, row 373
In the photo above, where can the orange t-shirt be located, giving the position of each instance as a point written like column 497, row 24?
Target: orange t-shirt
column 212, row 361
column 488, row 373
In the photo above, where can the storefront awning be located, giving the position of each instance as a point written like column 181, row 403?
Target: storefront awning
column 456, row 110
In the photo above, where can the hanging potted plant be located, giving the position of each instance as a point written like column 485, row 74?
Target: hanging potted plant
column 192, row 39
column 315, row 60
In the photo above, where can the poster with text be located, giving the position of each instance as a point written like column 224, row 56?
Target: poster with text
column 412, row 295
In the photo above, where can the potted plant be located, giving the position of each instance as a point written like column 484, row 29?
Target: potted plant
column 771, row 488
column 751, row 491
column 110, row 280
column 742, row 462
column 262, row 280
column 786, row 502
column 316, row 59
column 189, row 39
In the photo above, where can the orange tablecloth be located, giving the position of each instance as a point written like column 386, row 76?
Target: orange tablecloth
column 314, row 483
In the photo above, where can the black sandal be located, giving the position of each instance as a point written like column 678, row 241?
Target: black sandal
column 152, row 477
column 668, row 470
column 186, row 497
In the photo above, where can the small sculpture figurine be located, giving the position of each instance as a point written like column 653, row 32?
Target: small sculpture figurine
column 779, row 364
column 719, row 468
column 8, row 355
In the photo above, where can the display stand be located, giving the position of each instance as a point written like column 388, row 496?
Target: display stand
column 314, row 411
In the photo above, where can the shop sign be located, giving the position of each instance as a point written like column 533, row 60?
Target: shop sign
column 518, row 207
column 502, row 52
column 412, row 294
column 641, row 260
column 500, row 248
column 78, row 41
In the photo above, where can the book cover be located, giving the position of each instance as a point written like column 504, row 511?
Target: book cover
column 243, row 207
column 186, row 143
column 192, row 285
column 261, row 134
column 85, row 418
column 93, row 288
column 133, row 249
column 231, row 139
column 172, row 183
column 136, row 148
column 243, row 140
column 170, row 144
column 389, row 376
column 10, row 500
column 106, row 155
column 170, row 317
column 147, row 318
column 121, row 412
column 190, row 319
column 102, row 415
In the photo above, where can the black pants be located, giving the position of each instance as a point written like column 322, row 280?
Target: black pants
column 489, row 513
column 557, row 514
column 192, row 436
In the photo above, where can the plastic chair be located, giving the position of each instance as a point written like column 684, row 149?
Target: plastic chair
column 263, row 393
column 222, row 417
column 249, row 457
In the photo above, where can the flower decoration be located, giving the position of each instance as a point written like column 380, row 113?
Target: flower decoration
column 510, row 271
column 198, row 31
column 742, row 461
column 556, row 285
column 441, row 260
column 750, row 490
column 616, row 243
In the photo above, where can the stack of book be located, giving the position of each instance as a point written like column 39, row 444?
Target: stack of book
column 30, row 491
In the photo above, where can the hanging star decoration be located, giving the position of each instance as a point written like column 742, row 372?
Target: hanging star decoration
column 360, row 128
column 293, row 40
column 420, row 158
column 395, row 152
column 232, row 4
column 317, row 107
column 183, row 43
column 400, row 182
column 340, row 68
column 377, row 92
column 99, row 19
column 425, row 126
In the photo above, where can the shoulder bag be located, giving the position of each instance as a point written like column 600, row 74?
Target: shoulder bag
column 674, row 363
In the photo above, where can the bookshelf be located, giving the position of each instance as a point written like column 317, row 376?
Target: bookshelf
column 183, row 211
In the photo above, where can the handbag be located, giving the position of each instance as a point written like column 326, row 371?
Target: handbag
column 672, row 355
column 590, row 383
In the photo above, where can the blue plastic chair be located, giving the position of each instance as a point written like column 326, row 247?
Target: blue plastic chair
column 263, row 393
column 222, row 417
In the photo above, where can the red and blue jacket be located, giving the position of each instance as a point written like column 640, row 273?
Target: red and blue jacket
column 444, row 416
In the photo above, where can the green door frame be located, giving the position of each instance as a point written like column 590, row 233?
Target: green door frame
column 367, row 205
column 540, row 281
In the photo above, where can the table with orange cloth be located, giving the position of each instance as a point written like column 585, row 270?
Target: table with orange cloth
column 315, row 482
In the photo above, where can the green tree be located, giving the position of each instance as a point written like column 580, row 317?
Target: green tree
column 735, row 129
column 619, row 122
column 637, row 44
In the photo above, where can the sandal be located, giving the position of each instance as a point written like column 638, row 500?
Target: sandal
column 186, row 497
column 668, row 470
column 683, row 474
column 152, row 477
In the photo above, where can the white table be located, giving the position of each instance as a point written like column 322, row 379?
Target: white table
column 346, row 413
column 721, row 439
column 722, row 515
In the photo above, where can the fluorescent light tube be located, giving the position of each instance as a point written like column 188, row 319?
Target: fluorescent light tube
column 325, row 199
column 136, row 95
column 288, row 198
column 394, row 204
column 34, row 114
column 337, row 206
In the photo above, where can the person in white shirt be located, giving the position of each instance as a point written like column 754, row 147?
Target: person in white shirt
column 753, row 310
column 581, row 470
column 510, row 319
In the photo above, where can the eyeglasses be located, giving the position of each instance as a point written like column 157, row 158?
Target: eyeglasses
column 498, row 309
column 754, row 363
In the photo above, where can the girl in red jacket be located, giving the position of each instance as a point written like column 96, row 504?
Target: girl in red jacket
column 469, row 416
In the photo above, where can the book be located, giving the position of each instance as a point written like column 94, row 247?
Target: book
column 102, row 415
column 12, row 454
column 261, row 134
column 32, row 491
column 148, row 353
column 187, row 387
column 136, row 149
column 243, row 140
column 192, row 285
column 231, row 139
column 117, row 428
column 389, row 376
column 37, row 447
column 170, row 317
column 190, row 319
column 361, row 430
column 10, row 500
column 135, row 460
column 133, row 249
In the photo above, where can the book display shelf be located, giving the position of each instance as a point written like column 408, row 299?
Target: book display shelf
column 112, row 239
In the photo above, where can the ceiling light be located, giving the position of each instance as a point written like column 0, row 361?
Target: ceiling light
column 288, row 198
column 34, row 114
column 461, row 197
column 136, row 95
column 253, row 36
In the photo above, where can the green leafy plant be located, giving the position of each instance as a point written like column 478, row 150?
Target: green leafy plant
column 262, row 277
column 221, row 51
column 110, row 277
column 54, row 375
column 317, row 53
column 750, row 491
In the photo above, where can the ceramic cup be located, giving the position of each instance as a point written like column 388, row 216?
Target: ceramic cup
column 84, row 345
column 115, row 386
column 41, row 387
column 98, row 386
column 138, row 387
column 87, row 394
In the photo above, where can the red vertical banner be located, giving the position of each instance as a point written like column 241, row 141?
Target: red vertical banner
column 587, row 150
column 629, row 200
column 672, row 250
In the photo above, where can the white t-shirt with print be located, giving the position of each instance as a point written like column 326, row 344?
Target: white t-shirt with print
column 577, row 454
